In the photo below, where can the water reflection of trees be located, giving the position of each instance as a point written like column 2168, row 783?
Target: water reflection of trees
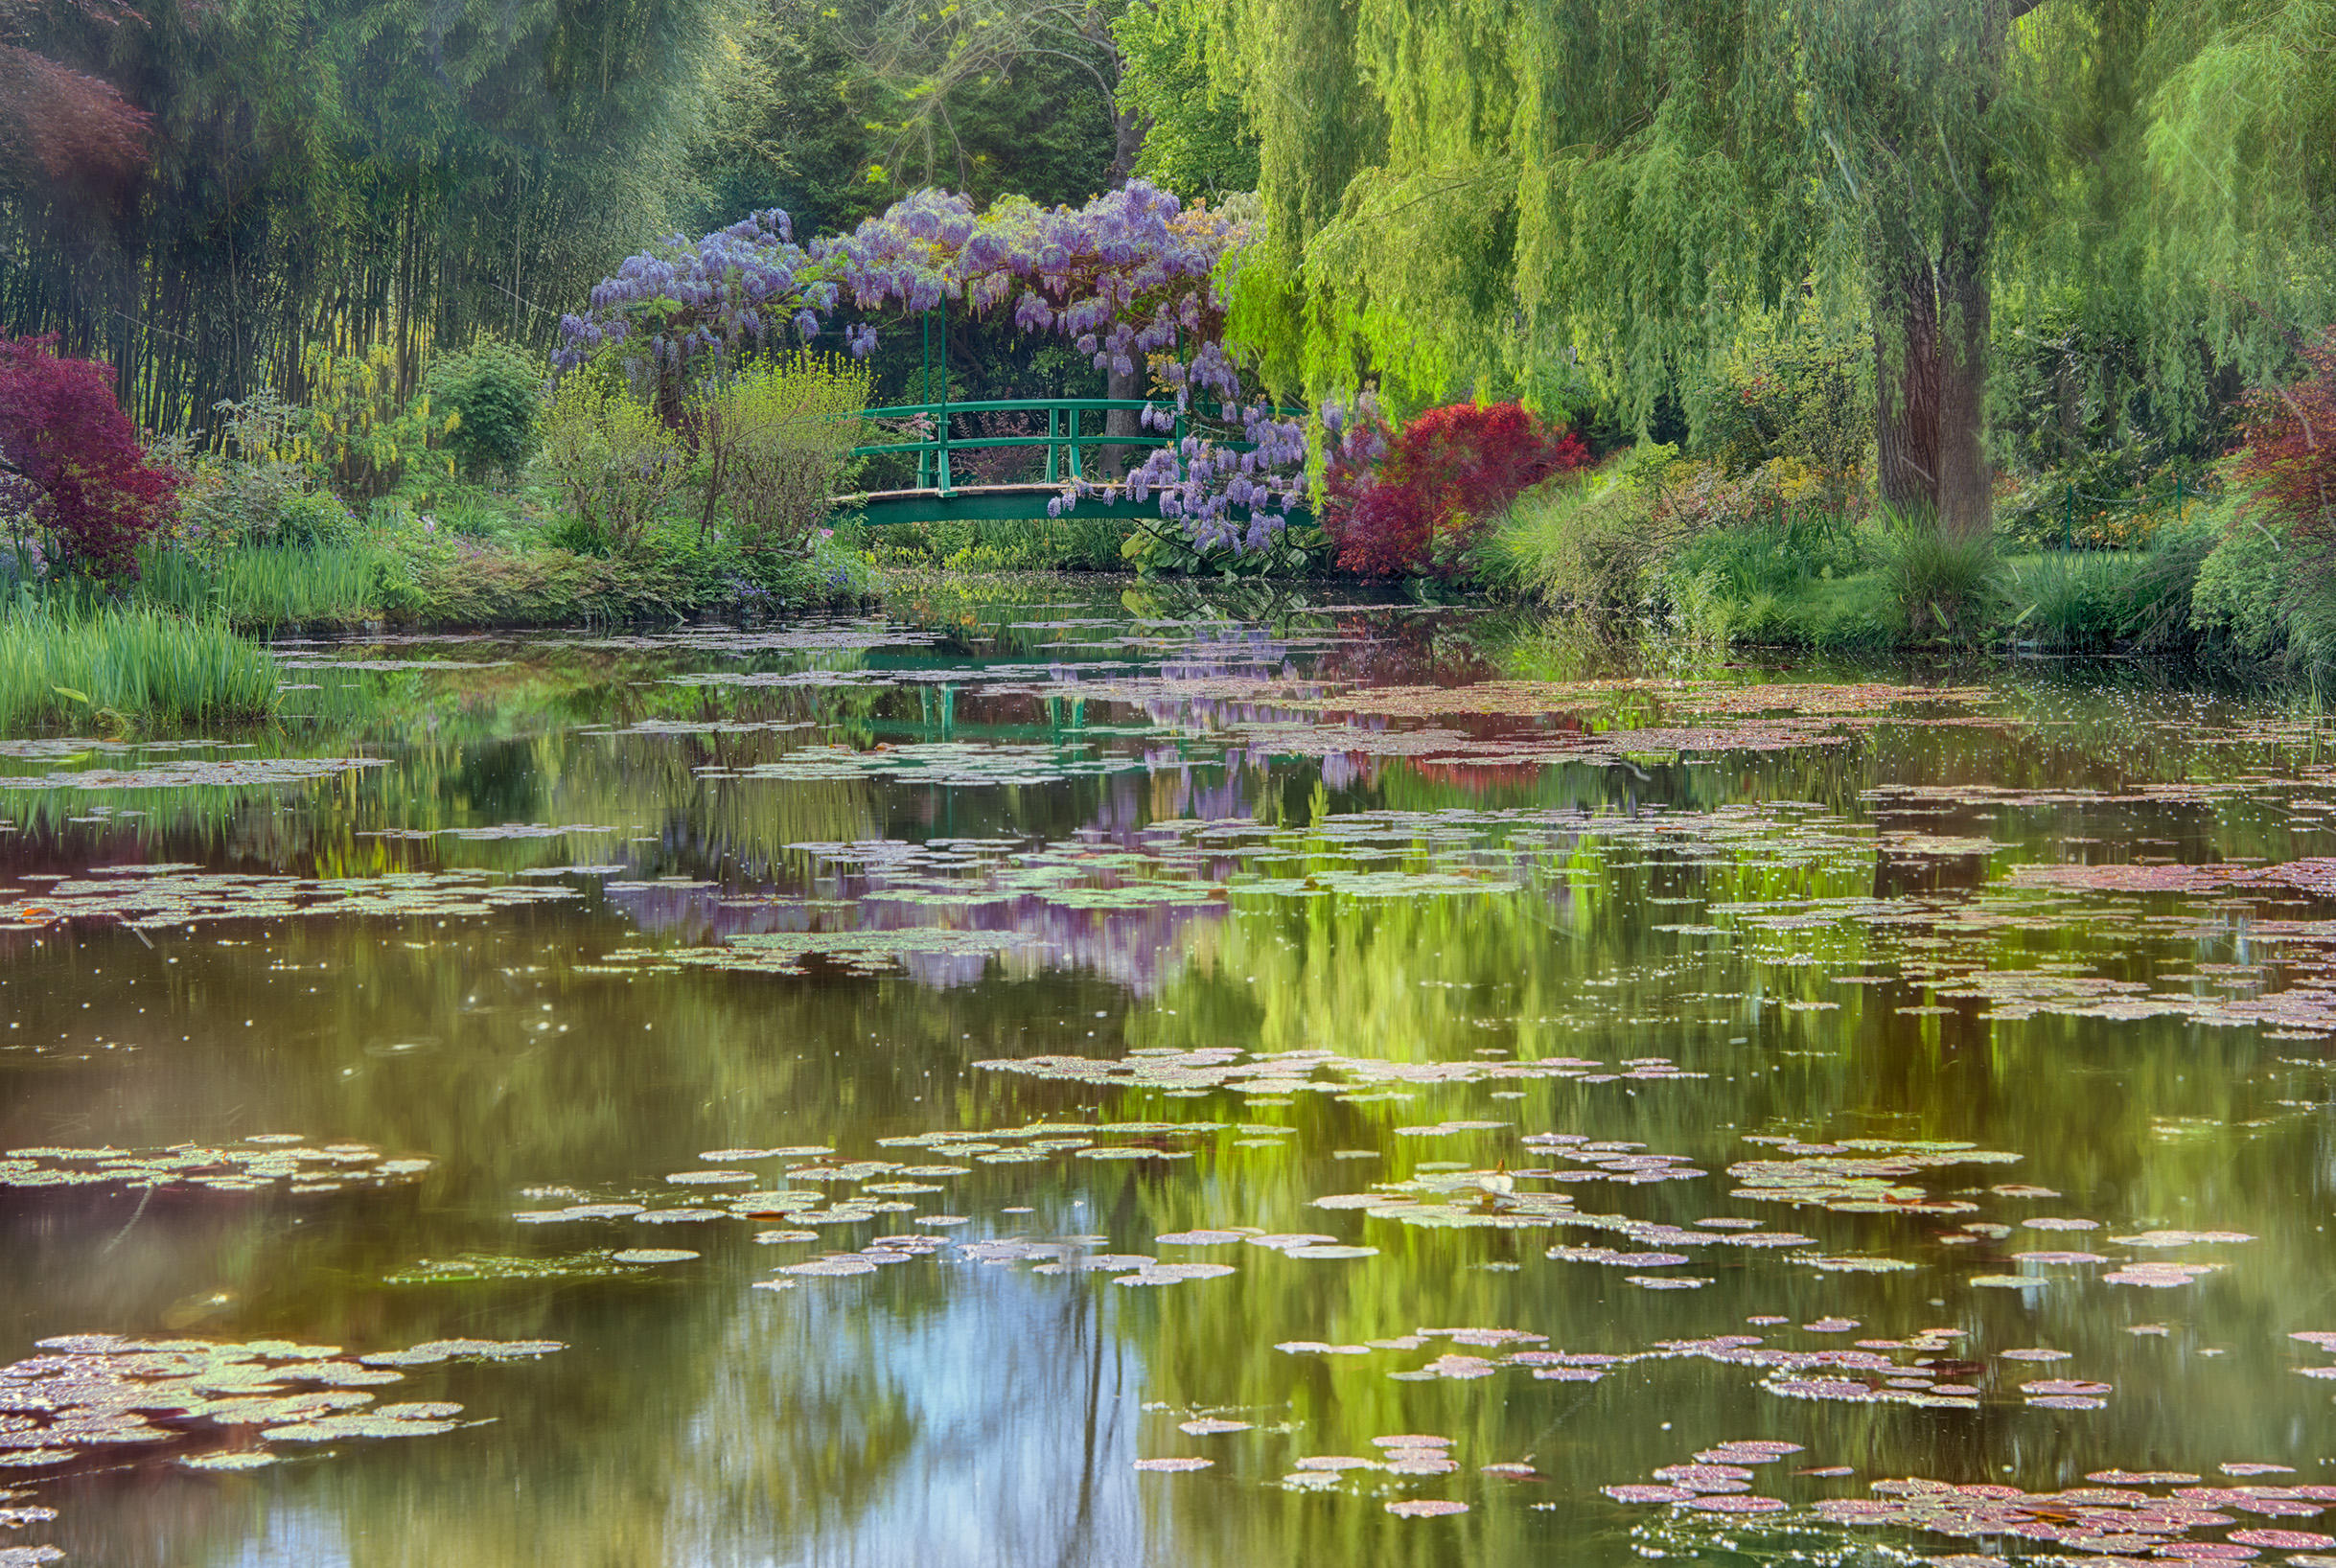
column 982, row 1416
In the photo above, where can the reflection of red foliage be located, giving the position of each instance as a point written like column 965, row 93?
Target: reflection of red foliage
column 74, row 128
column 1440, row 486
column 61, row 428
column 2290, row 457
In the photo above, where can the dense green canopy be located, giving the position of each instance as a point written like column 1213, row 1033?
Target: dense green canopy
column 1552, row 197
column 1470, row 194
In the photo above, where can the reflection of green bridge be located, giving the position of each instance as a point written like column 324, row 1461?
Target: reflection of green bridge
column 1074, row 429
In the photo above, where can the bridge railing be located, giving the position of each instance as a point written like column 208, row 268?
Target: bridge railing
column 1065, row 417
column 1066, row 433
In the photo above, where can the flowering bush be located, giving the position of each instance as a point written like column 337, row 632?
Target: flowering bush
column 92, row 485
column 1417, row 501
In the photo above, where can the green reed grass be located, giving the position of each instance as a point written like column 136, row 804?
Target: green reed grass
column 274, row 585
column 1940, row 585
column 114, row 668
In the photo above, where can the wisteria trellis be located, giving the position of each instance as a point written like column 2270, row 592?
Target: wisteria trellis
column 1131, row 280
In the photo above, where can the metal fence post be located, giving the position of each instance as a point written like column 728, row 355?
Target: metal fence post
column 924, row 457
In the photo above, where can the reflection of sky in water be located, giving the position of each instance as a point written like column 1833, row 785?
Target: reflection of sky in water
column 1023, row 1427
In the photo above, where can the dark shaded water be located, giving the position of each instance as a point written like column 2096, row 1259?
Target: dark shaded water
column 1802, row 1041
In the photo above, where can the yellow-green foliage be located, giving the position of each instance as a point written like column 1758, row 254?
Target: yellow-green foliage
column 614, row 463
column 777, row 437
column 1593, row 544
column 359, row 429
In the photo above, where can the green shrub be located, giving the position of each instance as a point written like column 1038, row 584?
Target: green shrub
column 612, row 461
column 2109, row 499
column 1937, row 586
column 315, row 519
column 1805, row 399
column 1775, row 555
column 115, row 668
column 493, row 390
column 238, row 492
column 2081, row 603
column 775, row 440
column 1088, row 541
column 470, row 519
column 2245, row 586
column 1594, row 546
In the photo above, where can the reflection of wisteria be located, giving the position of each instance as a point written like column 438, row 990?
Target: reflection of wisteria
column 1174, row 790
column 1138, row 948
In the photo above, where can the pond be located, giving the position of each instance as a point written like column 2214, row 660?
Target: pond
column 1065, row 1078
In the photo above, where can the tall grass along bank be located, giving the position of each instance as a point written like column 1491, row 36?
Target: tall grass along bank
column 115, row 668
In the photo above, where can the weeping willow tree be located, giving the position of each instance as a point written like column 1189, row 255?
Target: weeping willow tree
column 1461, row 193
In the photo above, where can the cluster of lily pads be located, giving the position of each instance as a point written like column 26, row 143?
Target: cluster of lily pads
column 956, row 764
column 217, row 1406
column 260, row 1163
column 2111, row 1519
column 1396, row 1460
column 229, row 772
column 1856, row 1176
column 887, row 1188
column 158, row 895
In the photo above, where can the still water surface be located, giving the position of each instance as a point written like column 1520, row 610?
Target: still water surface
column 863, row 1092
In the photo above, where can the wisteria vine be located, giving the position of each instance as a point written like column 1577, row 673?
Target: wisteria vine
column 1130, row 280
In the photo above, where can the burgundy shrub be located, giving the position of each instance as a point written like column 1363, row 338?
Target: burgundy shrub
column 2290, row 458
column 62, row 429
column 1414, row 504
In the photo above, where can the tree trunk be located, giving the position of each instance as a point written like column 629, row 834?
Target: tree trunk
column 1930, row 359
column 1906, row 375
column 1128, row 127
column 1966, row 483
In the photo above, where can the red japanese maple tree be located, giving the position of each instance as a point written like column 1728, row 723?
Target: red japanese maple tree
column 62, row 431
column 1435, row 488
column 2289, row 461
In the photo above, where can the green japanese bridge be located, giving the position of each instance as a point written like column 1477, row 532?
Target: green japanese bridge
column 1074, row 429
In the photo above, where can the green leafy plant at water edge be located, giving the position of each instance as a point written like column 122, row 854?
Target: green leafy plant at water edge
column 1593, row 546
column 774, row 439
column 2074, row 603
column 1938, row 587
column 1090, row 541
column 275, row 587
column 2250, row 594
column 140, row 664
